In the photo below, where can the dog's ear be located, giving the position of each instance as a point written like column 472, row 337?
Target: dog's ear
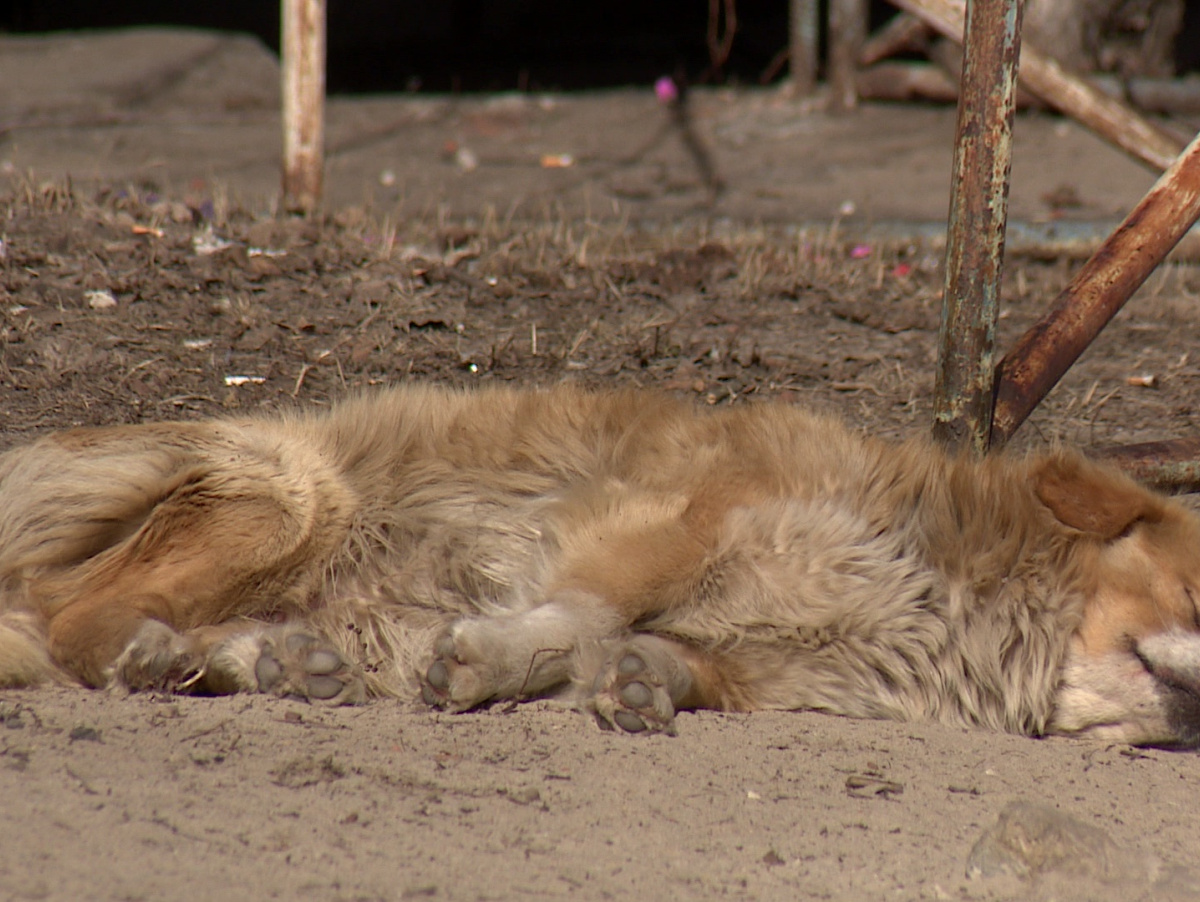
column 1091, row 498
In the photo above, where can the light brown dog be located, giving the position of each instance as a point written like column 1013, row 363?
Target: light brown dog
column 505, row 544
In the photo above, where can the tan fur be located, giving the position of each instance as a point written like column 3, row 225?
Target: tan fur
column 504, row 544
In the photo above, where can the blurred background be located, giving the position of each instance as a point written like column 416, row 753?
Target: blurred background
column 503, row 45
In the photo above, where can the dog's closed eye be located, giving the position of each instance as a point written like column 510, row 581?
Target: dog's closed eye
column 1191, row 598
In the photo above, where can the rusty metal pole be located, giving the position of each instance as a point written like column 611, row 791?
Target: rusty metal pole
column 303, row 59
column 804, row 28
column 847, row 32
column 962, row 400
column 1098, row 291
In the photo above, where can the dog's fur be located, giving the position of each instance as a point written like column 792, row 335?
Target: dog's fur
column 503, row 544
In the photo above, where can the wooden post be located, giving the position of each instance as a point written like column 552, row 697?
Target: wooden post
column 962, row 398
column 1041, row 76
column 804, row 28
column 847, row 32
column 303, row 52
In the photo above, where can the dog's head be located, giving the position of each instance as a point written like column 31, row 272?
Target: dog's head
column 1133, row 669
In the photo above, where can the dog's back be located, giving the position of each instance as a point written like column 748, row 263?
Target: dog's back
column 847, row 573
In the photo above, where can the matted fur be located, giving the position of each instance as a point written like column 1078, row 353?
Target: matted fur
column 503, row 543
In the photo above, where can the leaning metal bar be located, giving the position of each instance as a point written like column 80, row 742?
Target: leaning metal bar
column 962, row 399
column 1098, row 291
column 1108, row 117
column 303, row 52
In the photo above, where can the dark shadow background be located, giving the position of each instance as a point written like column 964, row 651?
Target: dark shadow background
column 490, row 45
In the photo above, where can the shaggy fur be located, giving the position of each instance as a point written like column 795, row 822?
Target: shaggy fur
column 504, row 544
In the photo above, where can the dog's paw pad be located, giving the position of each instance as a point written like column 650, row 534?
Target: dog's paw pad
column 268, row 671
column 437, row 682
column 629, row 696
column 304, row 665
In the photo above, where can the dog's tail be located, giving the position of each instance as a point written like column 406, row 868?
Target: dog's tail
column 24, row 660
column 63, row 500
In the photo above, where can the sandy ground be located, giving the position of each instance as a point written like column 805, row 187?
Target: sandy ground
column 164, row 798
column 142, row 290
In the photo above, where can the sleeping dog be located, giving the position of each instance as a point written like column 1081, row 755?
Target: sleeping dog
column 641, row 553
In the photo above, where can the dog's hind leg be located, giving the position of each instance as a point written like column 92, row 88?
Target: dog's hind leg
column 147, row 551
column 239, row 656
column 627, row 561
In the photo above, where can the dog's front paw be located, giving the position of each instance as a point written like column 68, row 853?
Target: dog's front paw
column 291, row 662
column 511, row 657
column 458, row 678
column 628, row 694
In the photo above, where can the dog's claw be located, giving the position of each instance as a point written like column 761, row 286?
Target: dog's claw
column 435, row 690
column 159, row 658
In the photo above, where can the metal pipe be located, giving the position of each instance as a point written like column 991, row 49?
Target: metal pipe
column 1097, row 292
column 962, row 397
column 1172, row 466
column 1062, row 239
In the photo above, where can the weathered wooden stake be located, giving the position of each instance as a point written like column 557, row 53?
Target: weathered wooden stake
column 1041, row 76
column 962, row 401
column 905, row 81
column 1098, row 291
column 913, row 80
column 303, row 52
column 903, row 34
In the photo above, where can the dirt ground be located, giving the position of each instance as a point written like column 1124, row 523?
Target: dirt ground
column 144, row 274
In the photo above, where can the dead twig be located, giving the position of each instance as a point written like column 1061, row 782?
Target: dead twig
column 520, row 696
column 720, row 44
